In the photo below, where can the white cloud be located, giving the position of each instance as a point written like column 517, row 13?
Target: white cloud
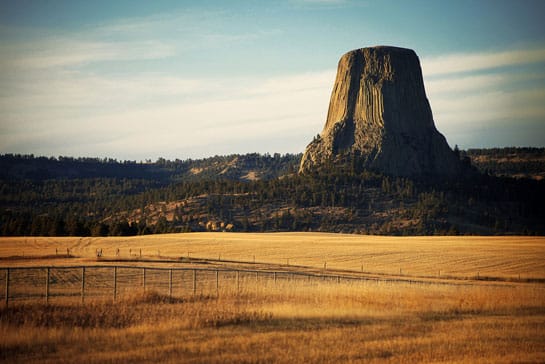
column 305, row 81
column 464, row 84
column 51, row 106
column 153, row 37
column 469, row 62
column 65, row 52
column 151, row 113
column 49, row 103
column 491, row 106
column 478, row 99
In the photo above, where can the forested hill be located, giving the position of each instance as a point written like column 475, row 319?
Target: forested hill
column 509, row 162
column 67, row 196
column 238, row 167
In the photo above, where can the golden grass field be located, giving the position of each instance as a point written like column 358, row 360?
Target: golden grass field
column 504, row 257
column 448, row 317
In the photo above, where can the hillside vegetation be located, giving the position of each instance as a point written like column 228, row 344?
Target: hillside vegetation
column 510, row 162
column 83, row 197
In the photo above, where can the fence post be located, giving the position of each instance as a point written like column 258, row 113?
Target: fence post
column 82, row 284
column 115, row 283
column 238, row 282
column 144, row 278
column 170, row 283
column 194, row 281
column 7, row 287
column 47, row 286
column 217, row 282
column 274, row 275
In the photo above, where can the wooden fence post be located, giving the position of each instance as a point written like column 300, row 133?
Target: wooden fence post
column 115, row 283
column 238, row 282
column 7, row 287
column 217, row 282
column 144, row 278
column 170, row 283
column 274, row 275
column 82, row 284
column 47, row 286
column 194, row 281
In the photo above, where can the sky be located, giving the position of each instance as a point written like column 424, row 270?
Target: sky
column 138, row 80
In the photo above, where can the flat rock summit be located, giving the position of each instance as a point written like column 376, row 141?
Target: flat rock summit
column 379, row 114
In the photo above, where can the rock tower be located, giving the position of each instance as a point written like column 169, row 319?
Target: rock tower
column 379, row 114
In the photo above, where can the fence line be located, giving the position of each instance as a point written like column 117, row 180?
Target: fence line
column 110, row 282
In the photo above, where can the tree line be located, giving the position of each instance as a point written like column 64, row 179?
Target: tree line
column 336, row 198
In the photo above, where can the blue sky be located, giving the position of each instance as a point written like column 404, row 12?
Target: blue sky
column 174, row 79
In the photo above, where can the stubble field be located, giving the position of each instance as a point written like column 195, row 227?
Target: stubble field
column 431, row 299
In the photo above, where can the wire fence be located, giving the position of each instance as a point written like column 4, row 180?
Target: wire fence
column 84, row 283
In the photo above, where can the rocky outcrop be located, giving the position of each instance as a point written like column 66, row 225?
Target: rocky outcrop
column 379, row 114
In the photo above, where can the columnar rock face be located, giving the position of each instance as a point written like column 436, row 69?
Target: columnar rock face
column 379, row 113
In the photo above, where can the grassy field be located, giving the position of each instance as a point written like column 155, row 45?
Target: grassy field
column 439, row 320
column 500, row 257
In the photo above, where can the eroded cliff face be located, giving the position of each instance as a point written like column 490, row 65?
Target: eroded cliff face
column 379, row 112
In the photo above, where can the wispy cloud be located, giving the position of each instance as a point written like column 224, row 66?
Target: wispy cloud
column 66, row 52
column 479, row 98
column 470, row 62
column 464, row 84
column 153, row 37
column 62, row 89
column 174, row 115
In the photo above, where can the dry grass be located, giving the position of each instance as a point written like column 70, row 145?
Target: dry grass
column 296, row 321
column 461, row 257
column 366, row 322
